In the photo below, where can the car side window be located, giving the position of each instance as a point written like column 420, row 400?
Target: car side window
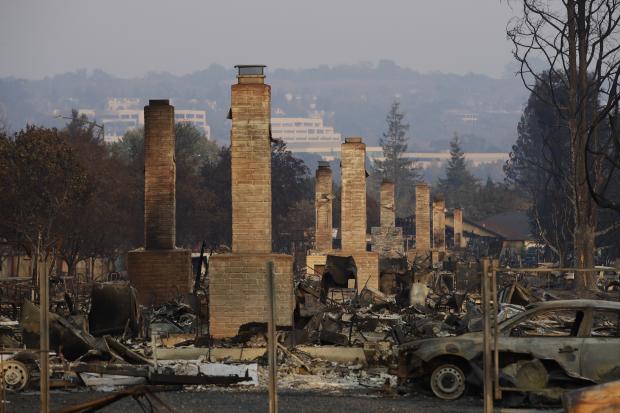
column 553, row 323
column 605, row 324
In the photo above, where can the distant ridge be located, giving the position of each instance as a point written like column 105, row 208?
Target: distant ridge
column 352, row 98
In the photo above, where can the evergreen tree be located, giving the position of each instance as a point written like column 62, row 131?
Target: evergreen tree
column 459, row 187
column 540, row 166
column 292, row 185
column 395, row 166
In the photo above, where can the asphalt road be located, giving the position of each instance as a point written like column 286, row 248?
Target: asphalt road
column 235, row 401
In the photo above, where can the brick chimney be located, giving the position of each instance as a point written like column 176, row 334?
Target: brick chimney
column 238, row 291
column 159, row 176
column 458, row 228
column 159, row 272
column 439, row 225
column 353, row 198
column 323, row 207
column 388, row 207
column 422, row 218
column 251, row 161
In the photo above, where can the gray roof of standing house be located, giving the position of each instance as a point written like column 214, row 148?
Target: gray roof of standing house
column 511, row 225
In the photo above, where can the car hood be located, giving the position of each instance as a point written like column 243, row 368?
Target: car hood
column 466, row 345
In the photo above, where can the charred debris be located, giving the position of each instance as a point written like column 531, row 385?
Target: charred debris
column 101, row 338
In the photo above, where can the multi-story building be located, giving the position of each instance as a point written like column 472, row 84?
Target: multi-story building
column 305, row 134
column 118, row 122
column 198, row 118
column 122, row 115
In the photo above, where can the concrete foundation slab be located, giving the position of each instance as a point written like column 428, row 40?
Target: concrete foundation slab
column 329, row 353
column 336, row 354
column 213, row 354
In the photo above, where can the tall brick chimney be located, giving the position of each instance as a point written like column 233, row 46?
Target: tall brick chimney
column 353, row 198
column 458, row 228
column 422, row 218
column 439, row 225
column 323, row 207
column 159, row 272
column 251, row 161
column 238, row 291
column 159, row 176
column 388, row 207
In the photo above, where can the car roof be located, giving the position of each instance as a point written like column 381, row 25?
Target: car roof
column 577, row 303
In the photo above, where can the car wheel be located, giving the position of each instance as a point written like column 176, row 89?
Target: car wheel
column 448, row 381
column 15, row 375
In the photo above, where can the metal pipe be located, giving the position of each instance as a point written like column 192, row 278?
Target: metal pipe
column 535, row 270
column 487, row 360
column 271, row 340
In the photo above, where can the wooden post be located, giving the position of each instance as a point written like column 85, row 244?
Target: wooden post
column 44, row 333
column 271, row 341
column 2, row 392
column 487, row 356
column 498, row 391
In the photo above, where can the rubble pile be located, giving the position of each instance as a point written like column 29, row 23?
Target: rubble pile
column 341, row 340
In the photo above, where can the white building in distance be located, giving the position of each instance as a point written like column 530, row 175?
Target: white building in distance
column 198, row 118
column 122, row 115
column 305, row 134
column 423, row 159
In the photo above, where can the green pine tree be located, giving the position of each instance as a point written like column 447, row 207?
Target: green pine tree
column 395, row 166
column 459, row 187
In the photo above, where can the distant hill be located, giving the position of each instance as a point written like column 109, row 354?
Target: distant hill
column 354, row 99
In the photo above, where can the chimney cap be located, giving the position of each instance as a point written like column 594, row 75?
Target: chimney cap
column 250, row 70
column 324, row 164
column 158, row 102
column 353, row 139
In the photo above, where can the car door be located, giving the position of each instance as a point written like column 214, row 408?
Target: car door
column 548, row 334
column 600, row 358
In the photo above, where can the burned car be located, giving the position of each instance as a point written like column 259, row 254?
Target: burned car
column 560, row 343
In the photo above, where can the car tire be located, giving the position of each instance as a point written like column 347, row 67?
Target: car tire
column 447, row 381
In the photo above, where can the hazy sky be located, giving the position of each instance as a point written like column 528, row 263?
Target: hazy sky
column 132, row 37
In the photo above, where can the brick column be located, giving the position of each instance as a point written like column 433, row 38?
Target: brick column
column 160, row 272
column 159, row 176
column 237, row 282
column 353, row 198
column 323, row 207
column 388, row 207
column 251, row 165
column 422, row 218
column 387, row 239
column 439, row 225
column 458, row 228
